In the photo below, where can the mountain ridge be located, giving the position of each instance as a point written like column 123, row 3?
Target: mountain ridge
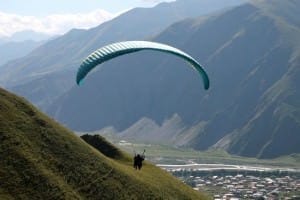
column 232, row 102
column 251, row 55
column 13, row 50
column 63, row 54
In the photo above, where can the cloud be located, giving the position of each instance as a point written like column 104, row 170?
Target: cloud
column 52, row 24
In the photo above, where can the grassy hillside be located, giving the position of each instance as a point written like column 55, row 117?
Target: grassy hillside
column 42, row 160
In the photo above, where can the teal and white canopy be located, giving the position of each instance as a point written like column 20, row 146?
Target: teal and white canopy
column 117, row 49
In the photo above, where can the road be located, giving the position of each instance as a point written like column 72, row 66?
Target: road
column 212, row 167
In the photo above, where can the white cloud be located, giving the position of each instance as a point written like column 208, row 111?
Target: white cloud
column 52, row 24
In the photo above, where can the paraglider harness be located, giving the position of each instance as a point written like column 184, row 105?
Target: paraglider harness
column 138, row 160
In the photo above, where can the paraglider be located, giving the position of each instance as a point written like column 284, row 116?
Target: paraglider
column 121, row 48
column 138, row 160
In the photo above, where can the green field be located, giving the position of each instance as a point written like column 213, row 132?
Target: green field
column 164, row 154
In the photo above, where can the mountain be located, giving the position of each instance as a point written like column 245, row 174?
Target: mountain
column 147, row 130
column 272, row 126
column 13, row 50
column 40, row 159
column 20, row 44
column 49, row 71
column 251, row 54
column 28, row 35
column 172, row 131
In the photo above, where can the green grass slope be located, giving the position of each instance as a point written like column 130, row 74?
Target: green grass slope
column 105, row 147
column 39, row 159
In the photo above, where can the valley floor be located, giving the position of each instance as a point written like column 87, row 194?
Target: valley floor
column 221, row 175
column 168, row 155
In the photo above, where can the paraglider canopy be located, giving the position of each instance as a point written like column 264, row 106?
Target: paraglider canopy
column 117, row 49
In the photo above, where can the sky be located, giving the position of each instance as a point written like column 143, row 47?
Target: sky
column 58, row 16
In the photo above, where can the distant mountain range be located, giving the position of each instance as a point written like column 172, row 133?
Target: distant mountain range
column 62, row 56
column 251, row 53
column 22, row 36
column 20, row 44
column 248, row 53
column 13, row 50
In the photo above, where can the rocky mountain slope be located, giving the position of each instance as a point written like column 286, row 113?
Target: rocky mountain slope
column 251, row 54
column 49, row 71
